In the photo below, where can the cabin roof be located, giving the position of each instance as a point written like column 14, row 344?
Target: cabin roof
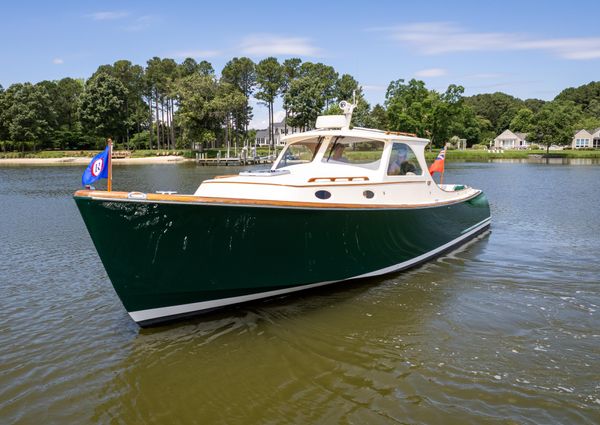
column 360, row 132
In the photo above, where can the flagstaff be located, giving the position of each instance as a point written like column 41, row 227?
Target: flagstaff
column 109, row 184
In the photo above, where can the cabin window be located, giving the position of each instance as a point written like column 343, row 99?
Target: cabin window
column 363, row 153
column 299, row 153
column 403, row 161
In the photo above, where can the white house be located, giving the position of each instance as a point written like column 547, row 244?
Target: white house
column 509, row 140
column 586, row 139
column 279, row 129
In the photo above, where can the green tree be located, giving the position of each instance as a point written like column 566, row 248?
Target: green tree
column 228, row 103
column 448, row 115
column 498, row 108
column 312, row 91
column 592, row 110
column 325, row 76
column 269, row 78
column 555, row 123
column 304, row 101
column 189, row 66
column 347, row 88
column 101, row 107
column 196, row 116
column 522, row 121
column 378, row 118
column 534, row 104
column 69, row 91
column 3, row 119
column 241, row 74
column 205, row 68
column 291, row 71
column 134, row 107
column 582, row 95
column 29, row 115
column 156, row 86
column 410, row 107
column 68, row 134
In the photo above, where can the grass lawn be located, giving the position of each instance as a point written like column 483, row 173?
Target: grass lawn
column 452, row 155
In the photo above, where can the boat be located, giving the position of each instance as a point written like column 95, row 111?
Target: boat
column 338, row 204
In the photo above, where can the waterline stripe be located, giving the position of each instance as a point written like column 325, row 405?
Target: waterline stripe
column 155, row 313
column 475, row 225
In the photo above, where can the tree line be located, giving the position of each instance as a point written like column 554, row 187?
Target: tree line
column 170, row 105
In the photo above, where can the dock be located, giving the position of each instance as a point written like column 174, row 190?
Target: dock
column 202, row 159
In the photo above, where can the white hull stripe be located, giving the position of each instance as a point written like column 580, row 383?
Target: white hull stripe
column 155, row 313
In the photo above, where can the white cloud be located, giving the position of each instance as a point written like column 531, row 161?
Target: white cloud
column 57, row 61
column 268, row 44
column 108, row 16
column 141, row 23
column 195, row 54
column 431, row 72
column 433, row 38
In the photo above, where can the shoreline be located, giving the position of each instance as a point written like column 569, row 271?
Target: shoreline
column 171, row 159
column 453, row 156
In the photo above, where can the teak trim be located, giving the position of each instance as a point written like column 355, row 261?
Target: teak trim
column 99, row 195
column 401, row 133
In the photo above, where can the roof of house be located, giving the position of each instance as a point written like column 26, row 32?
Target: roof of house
column 507, row 134
column 583, row 129
column 522, row 136
column 279, row 124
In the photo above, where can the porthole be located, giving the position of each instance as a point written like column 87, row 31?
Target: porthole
column 368, row 194
column 322, row 194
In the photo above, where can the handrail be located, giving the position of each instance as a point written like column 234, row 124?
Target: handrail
column 333, row 179
column 401, row 133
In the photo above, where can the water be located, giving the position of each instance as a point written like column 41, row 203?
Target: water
column 504, row 330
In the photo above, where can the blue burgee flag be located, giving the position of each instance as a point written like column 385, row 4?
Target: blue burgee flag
column 98, row 168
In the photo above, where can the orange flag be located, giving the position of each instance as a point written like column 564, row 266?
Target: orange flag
column 438, row 164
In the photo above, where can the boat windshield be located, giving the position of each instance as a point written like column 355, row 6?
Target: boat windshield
column 301, row 152
column 354, row 151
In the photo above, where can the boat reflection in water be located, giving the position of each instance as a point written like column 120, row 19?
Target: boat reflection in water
column 338, row 204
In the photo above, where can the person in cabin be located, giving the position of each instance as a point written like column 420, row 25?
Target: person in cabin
column 338, row 153
column 399, row 162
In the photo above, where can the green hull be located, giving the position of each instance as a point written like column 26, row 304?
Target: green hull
column 168, row 259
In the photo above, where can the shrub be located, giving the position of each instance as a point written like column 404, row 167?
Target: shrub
column 140, row 140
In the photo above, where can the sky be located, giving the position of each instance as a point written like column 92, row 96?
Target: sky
column 529, row 49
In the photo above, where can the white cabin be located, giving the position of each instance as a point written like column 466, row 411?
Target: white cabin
column 337, row 165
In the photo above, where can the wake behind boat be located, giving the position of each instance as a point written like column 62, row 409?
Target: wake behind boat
column 338, row 204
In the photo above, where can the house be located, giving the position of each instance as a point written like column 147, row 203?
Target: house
column 586, row 139
column 509, row 140
column 279, row 129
